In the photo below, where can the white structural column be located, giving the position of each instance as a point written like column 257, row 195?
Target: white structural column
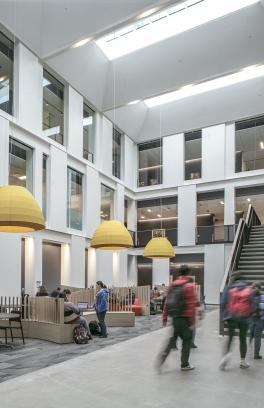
column 229, row 205
column 10, row 255
column 29, row 78
column 214, row 268
column 105, row 266
column 92, row 276
column 119, row 203
column 92, row 201
column 58, row 189
column 74, row 124
column 132, row 215
column 33, row 263
column 37, row 179
column 66, row 264
column 160, row 271
column 173, row 160
column 132, row 270
column 213, row 153
column 230, row 151
column 4, row 151
column 77, row 273
column 120, row 268
column 186, row 215
column 130, row 163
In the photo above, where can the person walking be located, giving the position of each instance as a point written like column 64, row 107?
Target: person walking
column 237, row 308
column 257, row 324
column 181, row 306
column 101, row 306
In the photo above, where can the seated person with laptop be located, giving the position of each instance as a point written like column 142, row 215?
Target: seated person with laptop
column 72, row 313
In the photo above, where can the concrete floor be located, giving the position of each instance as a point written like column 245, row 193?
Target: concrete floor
column 122, row 375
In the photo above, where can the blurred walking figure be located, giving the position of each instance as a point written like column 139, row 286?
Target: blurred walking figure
column 237, row 308
column 180, row 305
column 257, row 324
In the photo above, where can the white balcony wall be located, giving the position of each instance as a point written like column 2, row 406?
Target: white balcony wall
column 186, row 215
column 29, row 90
column 213, row 153
column 229, row 217
column 119, row 203
column 58, row 189
column 230, row 150
column 74, row 123
column 173, row 160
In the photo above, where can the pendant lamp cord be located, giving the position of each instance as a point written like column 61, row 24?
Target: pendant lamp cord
column 160, row 164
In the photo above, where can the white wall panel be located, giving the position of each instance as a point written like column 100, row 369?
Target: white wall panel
column 92, row 200
column 186, row 215
column 75, row 123
column 214, row 268
column 119, row 203
column 160, row 271
column 131, row 270
column 33, row 263
column 77, row 275
column 4, row 150
column 58, row 189
column 173, row 160
column 213, row 153
column 130, row 163
column 106, row 147
column 30, row 90
column 10, row 255
column 230, row 150
column 229, row 204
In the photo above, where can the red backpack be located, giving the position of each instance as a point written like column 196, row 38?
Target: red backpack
column 239, row 302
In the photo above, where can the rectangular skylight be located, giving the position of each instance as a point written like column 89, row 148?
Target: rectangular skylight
column 167, row 23
column 245, row 74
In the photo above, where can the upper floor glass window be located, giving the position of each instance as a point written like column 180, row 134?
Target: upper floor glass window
column 116, row 168
column 210, row 217
column 157, row 214
column 20, row 164
column 107, row 203
column 88, row 133
column 75, row 200
column 44, row 185
column 53, row 107
column 193, row 155
column 150, row 163
column 6, row 74
column 250, row 144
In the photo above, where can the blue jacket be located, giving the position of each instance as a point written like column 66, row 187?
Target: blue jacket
column 101, row 300
column 224, row 300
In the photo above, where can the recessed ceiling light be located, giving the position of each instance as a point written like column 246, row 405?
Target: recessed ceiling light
column 222, row 202
column 158, row 215
column 81, row 43
column 249, row 200
column 142, row 217
column 133, row 102
column 148, row 12
column 262, row 145
column 2, row 78
column 22, row 177
column 149, row 210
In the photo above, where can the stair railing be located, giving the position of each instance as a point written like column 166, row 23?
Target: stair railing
column 241, row 239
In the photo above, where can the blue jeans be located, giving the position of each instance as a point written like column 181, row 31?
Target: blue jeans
column 101, row 320
column 256, row 330
column 81, row 320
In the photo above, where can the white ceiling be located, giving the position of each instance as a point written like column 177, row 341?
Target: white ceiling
column 213, row 49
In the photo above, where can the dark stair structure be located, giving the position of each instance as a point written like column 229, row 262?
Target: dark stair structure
column 247, row 254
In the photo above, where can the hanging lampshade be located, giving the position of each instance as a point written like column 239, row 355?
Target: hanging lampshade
column 19, row 211
column 160, row 248
column 111, row 235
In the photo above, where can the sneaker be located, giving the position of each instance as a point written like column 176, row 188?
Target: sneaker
column 258, row 357
column 194, row 346
column 90, row 337
column 244, row 364
column 225, row 360
column 188, row 368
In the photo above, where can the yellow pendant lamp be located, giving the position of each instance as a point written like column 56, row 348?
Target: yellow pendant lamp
column 111, row 235
column 19, row 211
column 159, row 248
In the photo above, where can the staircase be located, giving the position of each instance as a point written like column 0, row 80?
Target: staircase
column 251, row 261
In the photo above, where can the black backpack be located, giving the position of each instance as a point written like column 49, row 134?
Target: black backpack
column 94, row 328
column 175, row 300
column 80, row 335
